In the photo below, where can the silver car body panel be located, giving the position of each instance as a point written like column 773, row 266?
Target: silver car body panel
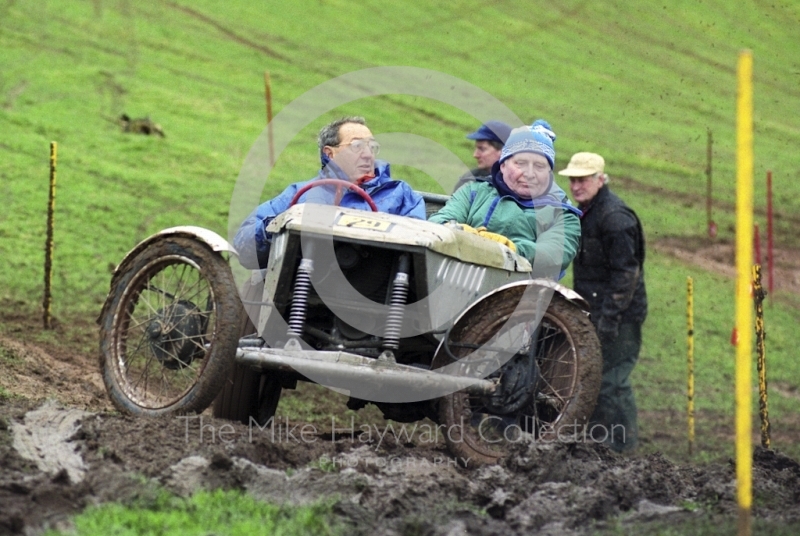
column 380, row 227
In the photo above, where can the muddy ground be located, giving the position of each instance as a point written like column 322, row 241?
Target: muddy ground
column 57, row 460
column 63, row 448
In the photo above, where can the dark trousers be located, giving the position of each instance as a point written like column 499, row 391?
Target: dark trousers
column 616, row 408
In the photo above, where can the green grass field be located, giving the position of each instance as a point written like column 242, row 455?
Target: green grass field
column 207, row 512
column 639, row 83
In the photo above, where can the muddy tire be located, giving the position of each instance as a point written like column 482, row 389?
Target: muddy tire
column 169, row 329
column 248, row 392
column 236, row 399
column 570, row 366
column 269, row 394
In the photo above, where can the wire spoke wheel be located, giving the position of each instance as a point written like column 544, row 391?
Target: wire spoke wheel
column 563, row 386
column 169, row 328
column 558, row 365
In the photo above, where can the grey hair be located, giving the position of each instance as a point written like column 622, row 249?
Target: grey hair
column 329, row 134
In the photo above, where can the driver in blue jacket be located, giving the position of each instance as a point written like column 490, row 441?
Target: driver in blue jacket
column 347, row 151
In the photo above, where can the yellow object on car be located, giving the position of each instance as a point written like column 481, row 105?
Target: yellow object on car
column 481, row 231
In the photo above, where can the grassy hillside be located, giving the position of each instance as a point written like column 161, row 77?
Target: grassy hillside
column 639, row 83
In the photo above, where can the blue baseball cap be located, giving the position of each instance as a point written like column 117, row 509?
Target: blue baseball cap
column 491, row 131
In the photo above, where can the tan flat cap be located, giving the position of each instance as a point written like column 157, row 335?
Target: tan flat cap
column 584, row 164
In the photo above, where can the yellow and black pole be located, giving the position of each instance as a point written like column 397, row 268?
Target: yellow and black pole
column 690, row 361
column 744, row 311
column 761, row 352
column 48, row 245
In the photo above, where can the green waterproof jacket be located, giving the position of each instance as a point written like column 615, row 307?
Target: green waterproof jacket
column 546, row 229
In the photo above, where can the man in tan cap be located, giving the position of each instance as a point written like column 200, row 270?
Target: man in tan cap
column 609, row 272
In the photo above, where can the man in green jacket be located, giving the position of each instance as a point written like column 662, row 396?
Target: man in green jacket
column 522, row 203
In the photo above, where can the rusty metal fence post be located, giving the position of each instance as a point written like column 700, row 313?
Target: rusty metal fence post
column 761, row 350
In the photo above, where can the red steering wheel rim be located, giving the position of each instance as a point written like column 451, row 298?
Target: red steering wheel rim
column 335, row 182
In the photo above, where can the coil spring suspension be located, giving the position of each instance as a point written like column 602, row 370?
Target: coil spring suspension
column 302, row 287
column 397, row 303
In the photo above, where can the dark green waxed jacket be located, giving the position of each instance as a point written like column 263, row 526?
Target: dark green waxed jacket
column 546, row 230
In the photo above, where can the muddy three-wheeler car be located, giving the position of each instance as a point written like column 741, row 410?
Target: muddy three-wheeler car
column 420, row 319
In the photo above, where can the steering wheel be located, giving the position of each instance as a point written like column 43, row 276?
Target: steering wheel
column 338, row 183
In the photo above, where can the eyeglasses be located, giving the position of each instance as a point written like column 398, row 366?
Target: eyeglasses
column 358, row 146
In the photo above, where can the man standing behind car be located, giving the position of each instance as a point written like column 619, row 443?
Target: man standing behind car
column 609, row 272
column 347, row 151
column 489, row 141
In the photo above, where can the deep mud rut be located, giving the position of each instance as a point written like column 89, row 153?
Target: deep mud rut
column 57, row 458
column 56, row 461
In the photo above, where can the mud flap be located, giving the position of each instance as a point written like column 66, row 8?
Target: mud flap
column 540, row 290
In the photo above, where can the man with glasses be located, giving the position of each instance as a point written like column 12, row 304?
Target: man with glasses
column 347, row 151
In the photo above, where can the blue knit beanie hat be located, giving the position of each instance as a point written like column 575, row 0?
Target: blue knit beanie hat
column 537, row 138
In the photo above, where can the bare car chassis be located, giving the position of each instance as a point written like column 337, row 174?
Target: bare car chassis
column 420, row 319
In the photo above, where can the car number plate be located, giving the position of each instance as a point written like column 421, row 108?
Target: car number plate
column 362, row 222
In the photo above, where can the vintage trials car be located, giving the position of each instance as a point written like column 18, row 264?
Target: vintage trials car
column 421, row 319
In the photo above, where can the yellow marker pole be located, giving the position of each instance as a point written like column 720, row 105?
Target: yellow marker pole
column 48, row 244
column 690, row 360
column 744, row 311
column 761, row 351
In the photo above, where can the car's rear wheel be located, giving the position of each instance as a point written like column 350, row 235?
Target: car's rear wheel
column 248, row 392
column 567, row 370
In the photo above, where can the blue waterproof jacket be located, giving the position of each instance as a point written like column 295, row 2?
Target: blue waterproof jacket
column 393, row 196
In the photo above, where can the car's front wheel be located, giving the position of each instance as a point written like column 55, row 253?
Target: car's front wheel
column 169, row 329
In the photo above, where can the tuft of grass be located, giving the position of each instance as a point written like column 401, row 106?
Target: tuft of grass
column 7, row 356
column 325, row 464
column 231, row 513
column 689, row 505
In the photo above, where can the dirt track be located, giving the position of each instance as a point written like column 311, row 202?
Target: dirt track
column 56, row 458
